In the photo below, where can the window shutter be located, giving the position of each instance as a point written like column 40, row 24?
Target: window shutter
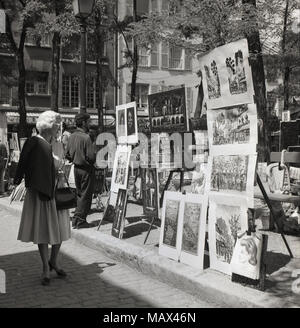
column 189, row 100
column 154, row 5
column 128, row 92
column 164, row 4
column 188, row 60
column 154, row 55
column 164, row 55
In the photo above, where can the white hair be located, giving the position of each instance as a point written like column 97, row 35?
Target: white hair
column 47, row 119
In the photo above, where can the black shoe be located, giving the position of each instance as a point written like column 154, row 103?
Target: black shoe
column 74, row 222
column 82, row 225
column 45, row 281
column 60, row 272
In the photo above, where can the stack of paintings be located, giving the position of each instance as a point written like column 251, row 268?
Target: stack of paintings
column 233, row 136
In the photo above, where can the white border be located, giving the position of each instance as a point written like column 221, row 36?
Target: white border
column 238, row 149
column 219, row 55
column 116, row 186
column 165, row 250
column 228, row 200
column 193, row 260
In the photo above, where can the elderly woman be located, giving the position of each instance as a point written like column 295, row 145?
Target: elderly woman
column 40, row 222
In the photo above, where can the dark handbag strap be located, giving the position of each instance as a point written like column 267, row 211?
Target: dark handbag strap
column 66, row 179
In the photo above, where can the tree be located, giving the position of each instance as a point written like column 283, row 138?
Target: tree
column 21, row 15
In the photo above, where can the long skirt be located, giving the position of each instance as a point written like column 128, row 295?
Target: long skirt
column 41, row 223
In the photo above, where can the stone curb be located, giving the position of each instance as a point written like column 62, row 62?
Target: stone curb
column 209, row 285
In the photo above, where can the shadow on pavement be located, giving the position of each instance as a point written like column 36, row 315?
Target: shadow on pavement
column 84, row 287
column 276, row 261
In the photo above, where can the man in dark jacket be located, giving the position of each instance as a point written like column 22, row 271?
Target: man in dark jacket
column 81, row 153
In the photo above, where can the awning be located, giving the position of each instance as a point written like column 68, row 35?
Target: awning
column 13, row 118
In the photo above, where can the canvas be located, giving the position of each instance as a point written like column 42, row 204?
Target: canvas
column 119, row 218
column 126, row 123
column 227, row 76
column 169, row 243
column 192, row 228
column 121, row 167
column 150, row 192
column 246, row 259
column 232, row 128
column 167, row 111
column 227, row 216
column 232, row 174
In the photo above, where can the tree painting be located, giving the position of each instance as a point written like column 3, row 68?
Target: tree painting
column 191, row 221
column 171, row 223
column 227, row 225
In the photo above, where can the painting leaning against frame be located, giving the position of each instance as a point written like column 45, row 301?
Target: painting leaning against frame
column 40, row 221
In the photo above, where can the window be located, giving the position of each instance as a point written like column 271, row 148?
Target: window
column 70, row 91
column 40, row 41
column 175, row 57
column 92, row 93
column 36, row 82
column 144, row 57
column 30, row 87
column 142, row 91
column 5, row 94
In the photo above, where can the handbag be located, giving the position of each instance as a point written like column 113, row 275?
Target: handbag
column 65, row 197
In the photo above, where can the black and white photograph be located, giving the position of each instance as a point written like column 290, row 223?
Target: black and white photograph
column 149, row 160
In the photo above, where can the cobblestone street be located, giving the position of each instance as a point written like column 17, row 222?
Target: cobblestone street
column 93, row 279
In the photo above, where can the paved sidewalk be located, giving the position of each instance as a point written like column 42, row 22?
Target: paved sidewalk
column 209, row 284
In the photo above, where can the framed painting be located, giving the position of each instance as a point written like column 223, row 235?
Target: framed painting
column 126, row 123
column 120, row 211
column 131, row 123
column 230, row 129
column 246, row 258
column 121, row 127
column 121, row 167
column 227, row 216
column 169, row 243
column 192, row 229
column 167, row 111
column 227, row 76
column 232, row 174
column 150, row 192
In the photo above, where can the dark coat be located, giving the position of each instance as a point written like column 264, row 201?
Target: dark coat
column 37, row 164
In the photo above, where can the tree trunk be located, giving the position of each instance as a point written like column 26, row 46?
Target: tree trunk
column 21, row 86
column 286, row 79
column 258, row 75
column 135, row 59
column 100, row 99
column 55, row 71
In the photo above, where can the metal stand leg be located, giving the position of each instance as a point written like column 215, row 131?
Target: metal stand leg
column 149, row 229
column 273, row 214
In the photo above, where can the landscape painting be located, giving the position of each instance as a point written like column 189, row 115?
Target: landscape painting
column 227, row 75
column 232, row 127
column 169, row 242
column 121, row 167
column 119, row 218
column 167, row 111
column 227, row 216
column 192, row 229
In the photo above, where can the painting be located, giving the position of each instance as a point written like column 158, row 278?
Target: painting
column 167, row 111
column 232, row 173
column 246, row 258
column 231, row 128
column 121, row 167
column 150, row 192
column 169, row 242
column 227, row 216
column 126, row 123
column 119, row 218
column 131, row 122
column 192, row 228
column 227, row 75
column 120, row 123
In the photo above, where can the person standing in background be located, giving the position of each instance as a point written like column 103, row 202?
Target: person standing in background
column 3, row 161
column 81, row 152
